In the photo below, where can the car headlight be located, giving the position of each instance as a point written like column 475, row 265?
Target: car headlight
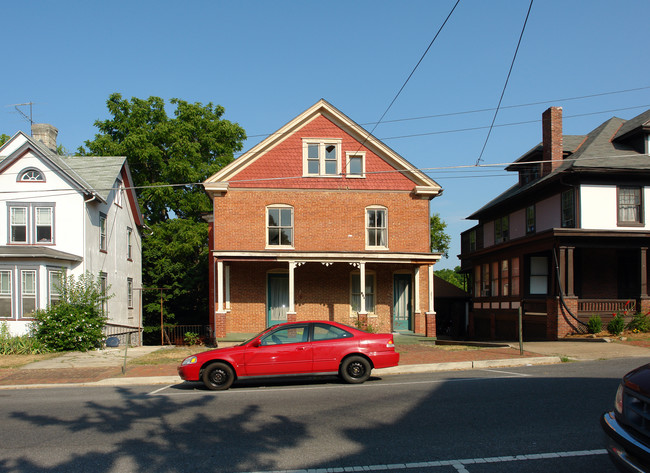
column 618, row 403
column 190, row 360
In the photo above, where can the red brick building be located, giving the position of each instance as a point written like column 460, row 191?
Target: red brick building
column 305, row 216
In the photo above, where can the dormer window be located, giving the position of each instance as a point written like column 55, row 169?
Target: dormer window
column 31, row 175
column 321, row 158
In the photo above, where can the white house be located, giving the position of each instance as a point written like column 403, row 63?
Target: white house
column 72, row 213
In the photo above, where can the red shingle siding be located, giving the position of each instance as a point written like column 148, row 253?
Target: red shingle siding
column 323, row 220
column 285, row 161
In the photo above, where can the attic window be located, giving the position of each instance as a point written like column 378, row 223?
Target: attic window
column 321, row 158
column 31, row 175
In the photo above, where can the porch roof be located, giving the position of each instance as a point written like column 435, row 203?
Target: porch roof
column 327, row 257
column 36, row 252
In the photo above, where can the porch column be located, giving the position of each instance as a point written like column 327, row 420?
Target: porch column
column 416, row 286
column 431, row 308
column 562, row 268
column 570, row 288
column 644, row 272
column 362, row 283
column 292, row 306
column 220, row 308
column 431, row 314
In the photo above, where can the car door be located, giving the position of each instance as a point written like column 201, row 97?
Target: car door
column 285, row 350
column 329, row 345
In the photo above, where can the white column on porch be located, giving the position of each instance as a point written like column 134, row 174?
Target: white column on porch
column 292, row 305
column 362, row 283
column 431, row 308
column 416, row 292
column 220, row 308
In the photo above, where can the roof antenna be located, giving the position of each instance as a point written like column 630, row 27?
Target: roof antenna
column 28, row 118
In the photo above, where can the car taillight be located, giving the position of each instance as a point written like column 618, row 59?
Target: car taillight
column 618, row 402
column 390, row 344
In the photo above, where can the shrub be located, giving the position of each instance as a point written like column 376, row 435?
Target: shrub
column 595, row 324
column 639, row 323
column 21, row 345
column 616, row 325
column 77, row 321
column 192, row 338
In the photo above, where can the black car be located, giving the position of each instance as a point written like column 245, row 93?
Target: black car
column 628, row 425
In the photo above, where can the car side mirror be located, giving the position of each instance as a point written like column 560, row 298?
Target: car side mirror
column 256, row 343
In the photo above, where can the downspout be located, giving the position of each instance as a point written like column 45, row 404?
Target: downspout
column 93, row 196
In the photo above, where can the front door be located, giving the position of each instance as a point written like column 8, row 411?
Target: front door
column 277, row 303
column 402, row 303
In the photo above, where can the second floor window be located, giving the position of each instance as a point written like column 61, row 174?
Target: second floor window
column 31, row 223
column 376, row 228
column 279, row 226
column 629, row 206
column 502, row 229
column 129, row 244
column 530, row 219
column 568, row 209
column 102, row 232
column 322, row 158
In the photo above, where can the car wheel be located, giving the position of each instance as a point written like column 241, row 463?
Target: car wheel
column 355, row 369
column 218, row 376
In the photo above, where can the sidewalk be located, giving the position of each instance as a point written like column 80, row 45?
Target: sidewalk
column 105, row 367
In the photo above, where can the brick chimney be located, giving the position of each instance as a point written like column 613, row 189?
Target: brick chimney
column 552, row 148
column 46, row 134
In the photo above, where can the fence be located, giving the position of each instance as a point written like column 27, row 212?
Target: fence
column 175, row 334
column 126, row 334
column 606, row 306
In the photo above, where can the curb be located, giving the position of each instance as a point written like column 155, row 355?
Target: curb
column 404, row 369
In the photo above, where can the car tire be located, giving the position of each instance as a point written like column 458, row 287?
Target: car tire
column 355, row 370
column 218, row 376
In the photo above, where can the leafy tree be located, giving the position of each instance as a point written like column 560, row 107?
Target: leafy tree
column 453, row 276
column 169, row 157
column 440, row 240
column 76, row 322
column 4, row 138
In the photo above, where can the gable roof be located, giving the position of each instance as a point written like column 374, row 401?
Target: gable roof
column 601, row 150
column 90, row 175
column 330, row 117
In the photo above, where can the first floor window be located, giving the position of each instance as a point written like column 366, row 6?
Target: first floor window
column 485, row 281
column 280, row 226
column 129, row 292
column 629, row 206
column 538, row 275
column 515, row 277
column 55, row 277
column 5, row 293
column 28, row 291
column 376, row 228
column 494, row 288
column 505, row 273
column 368, row 292
column 103, row 282
column 477, row 281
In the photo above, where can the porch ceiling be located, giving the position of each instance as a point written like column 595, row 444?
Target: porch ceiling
column 328, row 257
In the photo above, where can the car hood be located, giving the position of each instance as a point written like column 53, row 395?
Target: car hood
column 639, row 380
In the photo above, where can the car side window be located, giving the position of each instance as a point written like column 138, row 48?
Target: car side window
column 285, row 335
column 329, row 332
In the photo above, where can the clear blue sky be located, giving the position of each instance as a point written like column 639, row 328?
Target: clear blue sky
column 266, row 62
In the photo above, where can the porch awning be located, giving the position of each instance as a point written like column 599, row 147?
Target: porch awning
column 327, row 257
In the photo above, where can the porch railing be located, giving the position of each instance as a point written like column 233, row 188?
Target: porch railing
column 606, row 306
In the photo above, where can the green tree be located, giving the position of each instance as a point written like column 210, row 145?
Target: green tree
column 440, row 240
column 453, row 276
column 4, row 138
column 169, row 157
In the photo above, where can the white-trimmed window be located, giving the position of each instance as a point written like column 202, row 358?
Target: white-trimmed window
column 321, row 157
column 28, row 286
column 31, row 223
column 5, row 294
column 129, row 292
column 355, row 164
column 369, row 292
column 376, row 227
column 279, row 226
column 55, row 281
column 129, row 243
column 630, row 205
column 31, row 175
column 119, row 191
column 102, row 232
column 103, row 286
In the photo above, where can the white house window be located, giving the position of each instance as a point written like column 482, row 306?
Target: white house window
column 5, row 294
column 31, row 175
column 129, row 244
column 54, row 286
column 102, row 232
column 630, row 209
column 129, row 292
column 18, row 224
column 28, row 291
column 369, row 292
column 31, row 223
column 376, row 227
column 321, row 157
column 279, row 225
column 355, row 164
column 103, row 284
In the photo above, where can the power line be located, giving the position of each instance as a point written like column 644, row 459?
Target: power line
column 512, row 64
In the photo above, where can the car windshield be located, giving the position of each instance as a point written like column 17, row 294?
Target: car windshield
column 255, row 336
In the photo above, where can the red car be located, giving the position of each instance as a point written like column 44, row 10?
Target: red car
column 295, row 348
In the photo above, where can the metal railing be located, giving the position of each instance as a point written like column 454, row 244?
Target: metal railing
column 606, row 306
column 176, row 334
